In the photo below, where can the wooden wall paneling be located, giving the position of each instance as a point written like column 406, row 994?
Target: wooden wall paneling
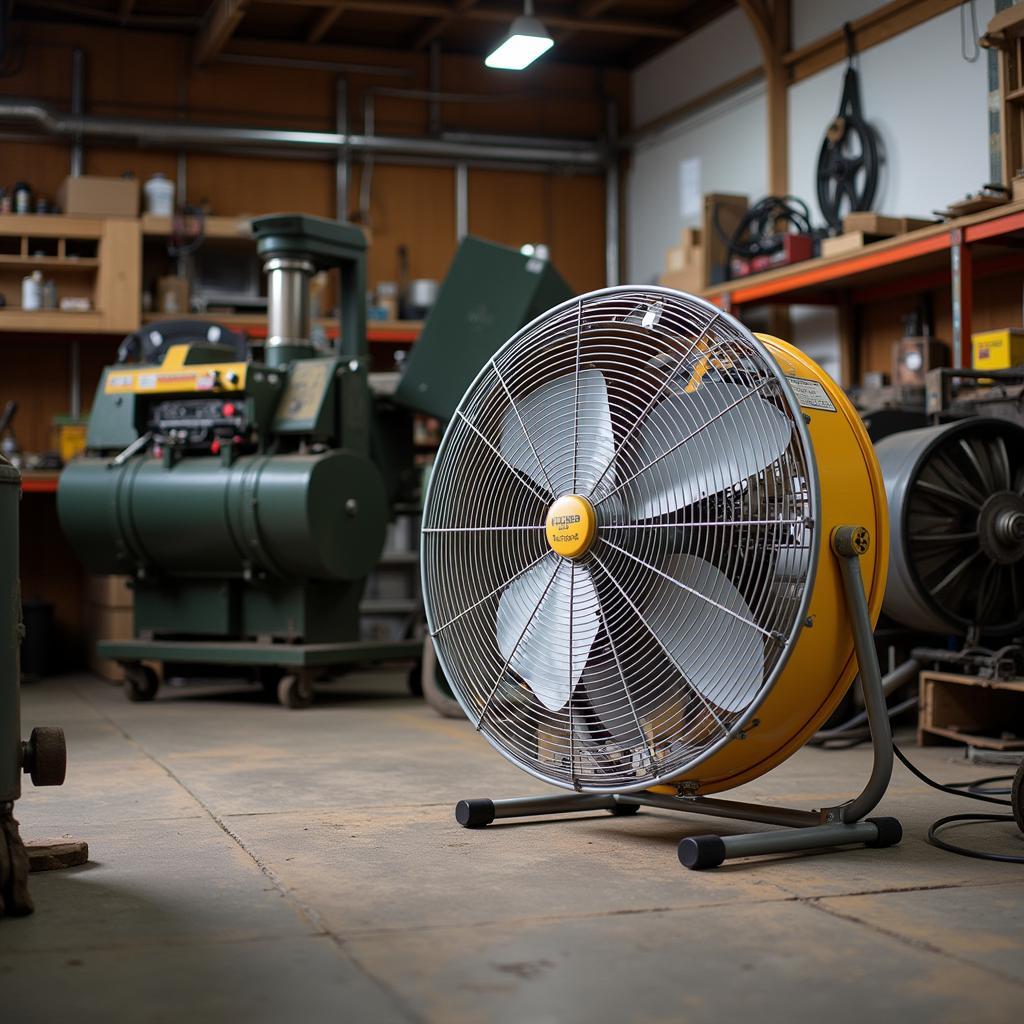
column 246, row 186
column 510, row 207
column 411, row 206
column 577, row 236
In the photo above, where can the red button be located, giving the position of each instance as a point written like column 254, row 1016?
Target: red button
column 228, row 409
column 215, row 446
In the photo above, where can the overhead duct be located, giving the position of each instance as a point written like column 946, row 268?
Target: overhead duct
column 179, row 134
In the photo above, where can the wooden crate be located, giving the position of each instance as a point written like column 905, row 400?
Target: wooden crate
column 986, row 713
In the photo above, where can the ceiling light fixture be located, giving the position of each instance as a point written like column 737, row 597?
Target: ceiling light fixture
column 527, row 39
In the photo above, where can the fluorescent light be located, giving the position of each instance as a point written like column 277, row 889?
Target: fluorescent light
column 527, row 39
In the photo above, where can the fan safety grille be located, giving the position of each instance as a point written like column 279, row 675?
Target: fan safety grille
column 618, row 538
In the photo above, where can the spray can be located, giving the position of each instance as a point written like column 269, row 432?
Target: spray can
column 22, row 198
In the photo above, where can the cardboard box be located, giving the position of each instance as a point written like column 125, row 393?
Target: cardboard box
column 731, row 209
column 997, row 350
column 690, row 280
column 93, row 196
column 111, row 592
column 108, row 624
column 172, row 295
column 840, row 245
column 880, row 224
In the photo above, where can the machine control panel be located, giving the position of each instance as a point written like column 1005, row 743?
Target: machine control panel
column 199, row 422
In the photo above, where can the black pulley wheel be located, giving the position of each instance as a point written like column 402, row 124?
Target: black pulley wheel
column 847, row 174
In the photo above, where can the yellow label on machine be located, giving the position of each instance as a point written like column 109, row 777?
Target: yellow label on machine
column 173, row 375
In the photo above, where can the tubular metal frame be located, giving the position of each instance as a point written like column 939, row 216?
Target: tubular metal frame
column 843, row 825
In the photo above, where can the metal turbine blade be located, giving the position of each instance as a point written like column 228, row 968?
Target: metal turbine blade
column 721, row 656
column 734, row 437
column 560, row 435
column 539, row 650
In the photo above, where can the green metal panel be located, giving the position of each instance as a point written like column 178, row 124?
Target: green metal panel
column 112, row 420
column 10, row 622
column 314, row 611
column 491, row 291
column 186, row 607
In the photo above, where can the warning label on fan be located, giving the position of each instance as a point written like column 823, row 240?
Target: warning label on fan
column 810, row 394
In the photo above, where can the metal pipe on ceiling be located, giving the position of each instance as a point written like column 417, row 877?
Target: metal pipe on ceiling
column 176, row 134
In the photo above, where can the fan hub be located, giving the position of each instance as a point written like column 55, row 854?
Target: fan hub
column 571, row 526
column 1001, row 527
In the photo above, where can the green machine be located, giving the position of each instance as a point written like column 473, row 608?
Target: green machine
column 249, row 501
column 43, row 757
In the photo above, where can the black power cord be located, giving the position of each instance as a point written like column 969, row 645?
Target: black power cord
column 976, row 790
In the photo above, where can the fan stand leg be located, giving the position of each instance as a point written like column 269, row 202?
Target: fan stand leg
column 844, row 825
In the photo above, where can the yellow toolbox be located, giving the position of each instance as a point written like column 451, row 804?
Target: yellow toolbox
column 997, row 350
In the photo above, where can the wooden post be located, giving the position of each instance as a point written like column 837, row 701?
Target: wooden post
column 771, row 23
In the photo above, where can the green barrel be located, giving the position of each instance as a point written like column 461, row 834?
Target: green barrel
column 296, row 517
column 10, row 619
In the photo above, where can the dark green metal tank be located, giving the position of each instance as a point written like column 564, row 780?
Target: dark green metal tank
column 43, row 756
column 298, row 517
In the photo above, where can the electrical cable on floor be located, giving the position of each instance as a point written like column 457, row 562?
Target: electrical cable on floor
column 965, row 789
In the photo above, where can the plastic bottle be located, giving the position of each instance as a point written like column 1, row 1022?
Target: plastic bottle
column 159, row 193
column 32, row 291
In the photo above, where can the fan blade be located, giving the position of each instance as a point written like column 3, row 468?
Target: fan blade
column 747, row 438
column 533, row 629
column 721, row 655
column 560, row 438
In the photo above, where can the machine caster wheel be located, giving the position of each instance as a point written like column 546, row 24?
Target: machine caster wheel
column 45, row 756
column 15, row 900
column 415, row 679
column 700, row 852
column 624, row 810
column 435, row 686
column 295, row 691
column 141, row 683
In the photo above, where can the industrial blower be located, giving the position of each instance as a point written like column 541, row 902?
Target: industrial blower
column 43, row 757
column 654, row 546
column 249, row 501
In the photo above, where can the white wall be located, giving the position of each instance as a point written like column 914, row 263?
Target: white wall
column 727, row 141
column 928, row 104
column 696, row 65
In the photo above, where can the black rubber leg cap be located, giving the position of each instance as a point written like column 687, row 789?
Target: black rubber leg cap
column 890, row 832
column 474, row 813
column 699, row 852
column 622, row 810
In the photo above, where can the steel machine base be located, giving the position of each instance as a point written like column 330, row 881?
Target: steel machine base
column 288, row 669
column 802, row 831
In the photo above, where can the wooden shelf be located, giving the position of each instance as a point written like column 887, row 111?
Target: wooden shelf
column 39, row 481
column 918, row 252
column 54, row 321
column 213, row 227
column 255, row 325
column 72, row 263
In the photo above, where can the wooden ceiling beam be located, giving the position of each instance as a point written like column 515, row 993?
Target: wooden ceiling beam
column 219, row 23
column 420, row 9
column 323, row 23
column 433, row 30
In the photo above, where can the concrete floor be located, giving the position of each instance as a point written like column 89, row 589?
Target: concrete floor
column 255, row 864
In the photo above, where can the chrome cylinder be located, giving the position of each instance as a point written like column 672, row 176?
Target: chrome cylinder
column 287, row 307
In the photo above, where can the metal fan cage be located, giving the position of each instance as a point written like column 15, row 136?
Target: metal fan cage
column 635, row 662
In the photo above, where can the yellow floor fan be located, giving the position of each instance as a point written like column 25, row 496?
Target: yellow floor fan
column 654, row 547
